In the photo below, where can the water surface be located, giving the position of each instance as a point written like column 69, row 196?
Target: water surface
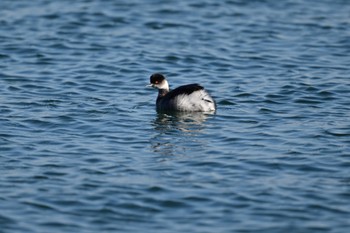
column 82, row 148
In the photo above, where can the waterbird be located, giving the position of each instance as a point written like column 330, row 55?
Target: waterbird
column 186, row 98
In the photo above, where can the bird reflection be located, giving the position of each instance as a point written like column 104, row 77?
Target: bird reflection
column 179, row 133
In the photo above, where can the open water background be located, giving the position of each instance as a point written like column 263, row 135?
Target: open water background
column 82, row 148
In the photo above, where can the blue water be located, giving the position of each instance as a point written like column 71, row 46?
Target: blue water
column 82, row 148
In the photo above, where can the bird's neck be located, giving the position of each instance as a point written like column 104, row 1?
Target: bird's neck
column 163, row 88
column 162, row 92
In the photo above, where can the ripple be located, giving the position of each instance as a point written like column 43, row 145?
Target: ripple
column 338, row 132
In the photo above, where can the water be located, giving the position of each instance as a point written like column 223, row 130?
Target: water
column 82, row 148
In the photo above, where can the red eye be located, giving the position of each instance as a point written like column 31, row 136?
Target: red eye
column 156, row 82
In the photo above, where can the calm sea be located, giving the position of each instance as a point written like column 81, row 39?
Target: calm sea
column 82, row 148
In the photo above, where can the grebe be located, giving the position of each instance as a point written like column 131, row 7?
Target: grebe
column 187, row 98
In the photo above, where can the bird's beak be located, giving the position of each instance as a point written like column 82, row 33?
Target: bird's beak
column 149, row 85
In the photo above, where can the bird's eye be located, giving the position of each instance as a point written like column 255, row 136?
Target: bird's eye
column 156, row 82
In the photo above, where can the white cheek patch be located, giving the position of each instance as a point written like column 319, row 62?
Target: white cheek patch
column 163, row 85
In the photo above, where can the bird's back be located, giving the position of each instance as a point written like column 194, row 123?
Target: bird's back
column 191, row 97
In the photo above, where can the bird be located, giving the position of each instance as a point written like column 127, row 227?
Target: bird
column 186, row 98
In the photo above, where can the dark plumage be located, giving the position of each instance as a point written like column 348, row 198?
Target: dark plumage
column 185, row 89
